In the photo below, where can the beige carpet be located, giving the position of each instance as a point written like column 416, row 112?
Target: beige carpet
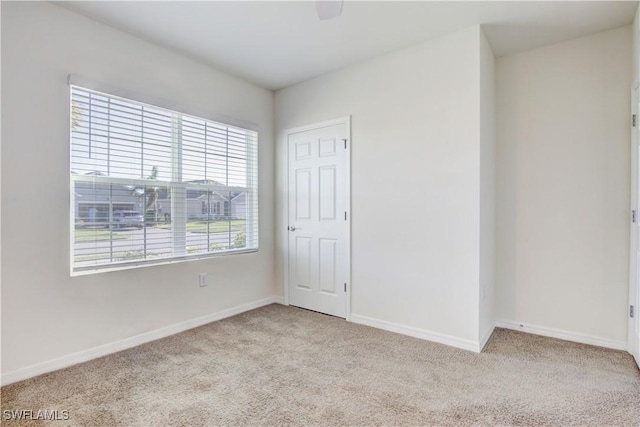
column 282, row 365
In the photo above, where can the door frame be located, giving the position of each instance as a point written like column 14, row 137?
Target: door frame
column 290, row 131
column 633, row 342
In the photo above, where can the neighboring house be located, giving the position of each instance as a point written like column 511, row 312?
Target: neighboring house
column 92, row 202
column 216, row 205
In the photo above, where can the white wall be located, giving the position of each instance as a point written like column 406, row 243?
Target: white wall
column 563, row 185
column 416, row 147
column 0, row 197
column 634, row 289
column 487, row 189
column 45, row 313
column 636, row 45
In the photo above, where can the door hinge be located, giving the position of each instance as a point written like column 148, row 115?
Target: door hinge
column 634, row 120
column 634, row 216
column 345, row 289
column 345, row 144
column 631, row 313
column 345, row 215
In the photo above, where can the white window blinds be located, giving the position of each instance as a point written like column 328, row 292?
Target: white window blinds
column 153, row 185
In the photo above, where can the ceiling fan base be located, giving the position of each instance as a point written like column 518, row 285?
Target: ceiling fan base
column 328, row 9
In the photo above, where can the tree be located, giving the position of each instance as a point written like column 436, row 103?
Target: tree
column 150, row 195
column 76, row 114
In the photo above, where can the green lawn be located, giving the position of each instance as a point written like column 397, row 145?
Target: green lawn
column 84, row 235
column 88, row 235
column 213, row 227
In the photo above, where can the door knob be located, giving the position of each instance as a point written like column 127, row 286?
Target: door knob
column 292, row 229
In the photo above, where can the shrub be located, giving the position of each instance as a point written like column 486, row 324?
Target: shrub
column 240, row 241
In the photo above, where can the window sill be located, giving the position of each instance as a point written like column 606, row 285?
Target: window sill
column 129, row 265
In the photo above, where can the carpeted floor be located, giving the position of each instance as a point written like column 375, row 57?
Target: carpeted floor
column 282, row 365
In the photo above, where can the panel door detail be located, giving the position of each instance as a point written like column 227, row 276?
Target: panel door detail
column 317, row 230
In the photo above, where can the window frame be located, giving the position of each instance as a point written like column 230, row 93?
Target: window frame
column 179, row 254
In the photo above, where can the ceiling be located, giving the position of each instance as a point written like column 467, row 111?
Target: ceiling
column 277, row 44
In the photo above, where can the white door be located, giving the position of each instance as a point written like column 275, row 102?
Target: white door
column 318, row 217
column 634, row 285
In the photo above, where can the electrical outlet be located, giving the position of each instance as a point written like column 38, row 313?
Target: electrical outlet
column 203, row 280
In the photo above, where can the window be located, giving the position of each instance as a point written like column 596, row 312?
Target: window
column 147, row 184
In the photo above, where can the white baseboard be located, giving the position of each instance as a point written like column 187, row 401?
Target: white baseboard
column 485, row 338
column 561, row 334
column 105, row 349
column 276, row 300
column 417, row 333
